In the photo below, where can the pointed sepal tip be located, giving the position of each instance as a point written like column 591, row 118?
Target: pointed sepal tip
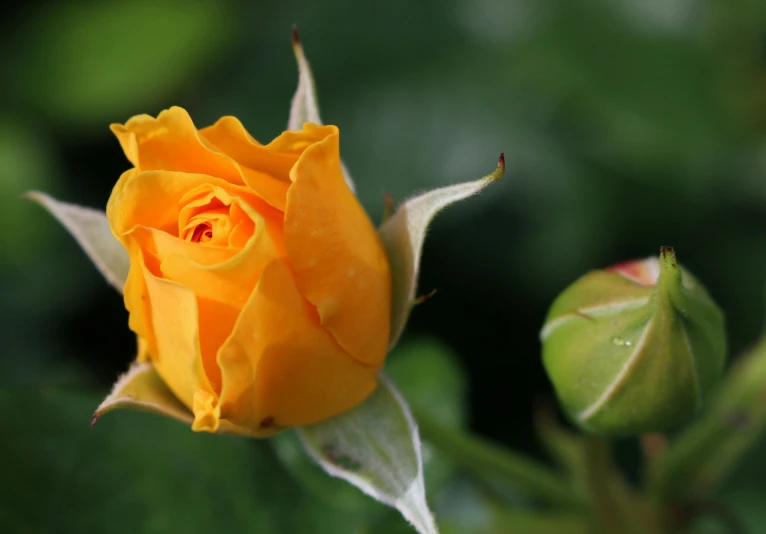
column 499, row 170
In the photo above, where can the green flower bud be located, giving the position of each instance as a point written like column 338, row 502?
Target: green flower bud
column 635, row 348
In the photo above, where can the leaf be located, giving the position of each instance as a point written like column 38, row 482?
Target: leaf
column 376, row 447
column 304, row 106
column 705, row 452
column 141, row 388
column 403, row 235
column 90, row 229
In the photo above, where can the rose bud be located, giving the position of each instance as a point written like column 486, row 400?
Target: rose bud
column 634, row 348
column 258, row 286
column 261, row 295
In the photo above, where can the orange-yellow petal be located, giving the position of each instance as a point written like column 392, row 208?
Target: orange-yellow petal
column 222, row 274
column 151, row 198
column 221, row 278
column 338, row 260
column 171, row 142
column 136, row 298
column 265, row 168
column 174, row 318
column 214, row 318
column 280, row 367
column 119, row 186
column 275, row 159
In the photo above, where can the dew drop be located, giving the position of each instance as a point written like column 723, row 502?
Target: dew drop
column 620, row 342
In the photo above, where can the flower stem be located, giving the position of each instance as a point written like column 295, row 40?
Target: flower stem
column 485, row 458
column 615, row 507
column 598, row 474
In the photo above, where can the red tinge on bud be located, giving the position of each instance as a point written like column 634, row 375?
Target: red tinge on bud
column 644, row 272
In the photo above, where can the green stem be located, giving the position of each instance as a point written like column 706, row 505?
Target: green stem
column 598, row 473
column 615, row 507
column 485, row 458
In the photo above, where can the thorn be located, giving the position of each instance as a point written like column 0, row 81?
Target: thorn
column 94, row 419
column 501, row 161
column 296, row 39
column 422, row 298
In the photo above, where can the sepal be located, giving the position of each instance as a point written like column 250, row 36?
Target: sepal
column 376, row 447
column 90, row 228
column 305, row 105
column 141, row 388
column 403, row 234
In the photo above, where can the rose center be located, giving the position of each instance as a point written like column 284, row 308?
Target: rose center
column 202, row 233
column 210, row 224
column 206, row 219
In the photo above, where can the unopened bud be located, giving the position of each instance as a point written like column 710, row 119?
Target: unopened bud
column 634, row 348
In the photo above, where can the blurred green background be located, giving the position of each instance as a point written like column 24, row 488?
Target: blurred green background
column 626, row 125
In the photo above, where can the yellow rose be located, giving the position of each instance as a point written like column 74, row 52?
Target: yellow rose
column 258, row 287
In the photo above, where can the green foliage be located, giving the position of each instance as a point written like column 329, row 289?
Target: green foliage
column 704, row 453
column 431, row 378
column 137, row 472
column 83, row 62
column 24, row 157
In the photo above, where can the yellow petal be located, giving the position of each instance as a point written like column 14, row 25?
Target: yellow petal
column 142, row 354
column 266, row 168
column 280, row 367
column 136, row 299
column 174, row 317
column 120, row 185
column 151, row 198
column 171, row 142
column 275, row 159
column 223, row 274
column 338, row 260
